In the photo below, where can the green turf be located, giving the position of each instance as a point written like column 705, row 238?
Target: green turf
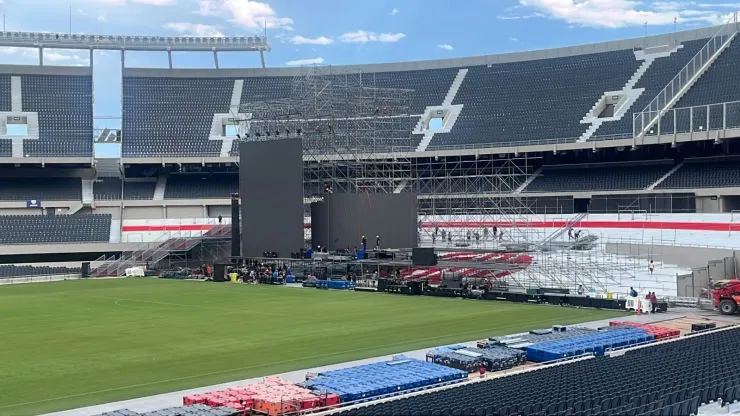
column 78, row 343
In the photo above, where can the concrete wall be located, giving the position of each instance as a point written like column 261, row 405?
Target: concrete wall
column 683, row 256
column 709, row 204
column 143, row 213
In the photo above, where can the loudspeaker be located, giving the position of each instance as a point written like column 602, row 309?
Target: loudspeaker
column 423, row 257
column 236, row 229
column 85, row 271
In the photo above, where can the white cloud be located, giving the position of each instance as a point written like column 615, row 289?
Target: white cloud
column 514, row 39
column 393, row 12
column 247, row 13
column 362, row 36
column 30, row 55
column 311, row 61
column 321, row 40
column 446, row 47
column 622, row 13
column 194, row 29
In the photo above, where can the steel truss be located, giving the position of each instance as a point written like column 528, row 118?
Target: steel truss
column 342, row 122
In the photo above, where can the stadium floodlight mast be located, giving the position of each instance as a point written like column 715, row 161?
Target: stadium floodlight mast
column 344, row 124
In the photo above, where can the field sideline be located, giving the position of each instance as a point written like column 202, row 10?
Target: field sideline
column 78, row 343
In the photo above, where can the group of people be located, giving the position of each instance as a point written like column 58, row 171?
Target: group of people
column 574, row 235
column 650, row 297
column 469, row 235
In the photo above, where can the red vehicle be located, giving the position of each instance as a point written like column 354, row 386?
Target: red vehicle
column 726, row 296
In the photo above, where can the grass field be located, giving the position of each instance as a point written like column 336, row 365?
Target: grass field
column 78, row 343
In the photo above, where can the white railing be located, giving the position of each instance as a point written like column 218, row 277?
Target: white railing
column 642, row 121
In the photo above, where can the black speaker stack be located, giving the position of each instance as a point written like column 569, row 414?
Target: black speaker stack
column 423, row 256
column 236, row 229
column 85, row 270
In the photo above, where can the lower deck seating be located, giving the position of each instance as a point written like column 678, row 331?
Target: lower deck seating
column 682, row 376
column 199, row 186
column 719, row 174
column 39, row 229
column 576, row 179
column 44, row 189
column 9, row 271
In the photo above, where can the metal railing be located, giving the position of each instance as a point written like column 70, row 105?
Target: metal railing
column 696, row 119
column 642, row 121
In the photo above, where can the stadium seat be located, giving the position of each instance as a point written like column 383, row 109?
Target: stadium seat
column 576, row 179
column 110, row 189
column 40, row 229
column 9, row 271
column 64, row 106
column 198, row 186
column 5, row 96
column 717, row 174
column 690, row 372
column 43, row 189
column 658, row 75
column 534, row 100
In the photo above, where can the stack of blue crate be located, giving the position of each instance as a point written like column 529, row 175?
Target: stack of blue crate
column 595, row 343
column 336, row 284
column 388, row 377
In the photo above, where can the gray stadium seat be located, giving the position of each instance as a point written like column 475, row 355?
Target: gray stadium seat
column 64, row 105
column 576, row 179
column 110, row 189
column 39, row 229
column 197, row 186
column 534, row 100
column 719, row 174
column 43, row 189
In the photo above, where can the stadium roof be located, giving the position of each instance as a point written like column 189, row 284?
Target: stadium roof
column 132, row 43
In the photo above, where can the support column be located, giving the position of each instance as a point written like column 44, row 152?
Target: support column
column 262, row 57
column 41, row 56
column 169, row 56
column 123, row 60
column 215, row 57
column 91, row 59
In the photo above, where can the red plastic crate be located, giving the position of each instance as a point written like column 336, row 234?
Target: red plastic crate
column 193, row 399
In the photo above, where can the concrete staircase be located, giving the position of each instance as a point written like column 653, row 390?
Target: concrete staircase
column 456, row 83
column 16, row 94
column 160, row 188
column 664, row 177
column 424, row 143
column 115, row 231
column 88, row 196
column 107, row 168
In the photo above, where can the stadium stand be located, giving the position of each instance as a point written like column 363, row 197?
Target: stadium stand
column 172, row 116
column 191, row 187
column 607, row 178
column 9, row 271
column 534, row 100
column 35, row 229
column 110, row 189
column 658, row 75
column 701, row 174
column 718, row 85
column 689, row 372
column 64, row 106
column 5, row 96
column 47, row 189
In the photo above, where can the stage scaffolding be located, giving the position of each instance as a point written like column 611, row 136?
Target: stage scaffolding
column 343, row 120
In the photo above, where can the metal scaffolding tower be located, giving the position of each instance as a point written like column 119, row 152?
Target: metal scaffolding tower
column 344, row 120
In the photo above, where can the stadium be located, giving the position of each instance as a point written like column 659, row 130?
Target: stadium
column 551, row 232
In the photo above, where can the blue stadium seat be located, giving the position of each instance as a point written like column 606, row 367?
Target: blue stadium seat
column 41, row 229
column 570, row 178
column 43, row 189
column 694, row 174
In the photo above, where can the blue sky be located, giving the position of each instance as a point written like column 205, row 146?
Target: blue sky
column 343, row 31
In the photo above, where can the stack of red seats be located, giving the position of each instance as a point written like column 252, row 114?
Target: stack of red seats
column 659, row 331
column 274, row 396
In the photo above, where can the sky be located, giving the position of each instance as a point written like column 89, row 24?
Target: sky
column 336, row 32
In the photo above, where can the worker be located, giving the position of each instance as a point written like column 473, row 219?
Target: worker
column 651, row 266
column 570, row 233
column 653, row 302
column 633, row 292
column 580, row 289
column 377, row 242
column 482, row 371
column 364, row 243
